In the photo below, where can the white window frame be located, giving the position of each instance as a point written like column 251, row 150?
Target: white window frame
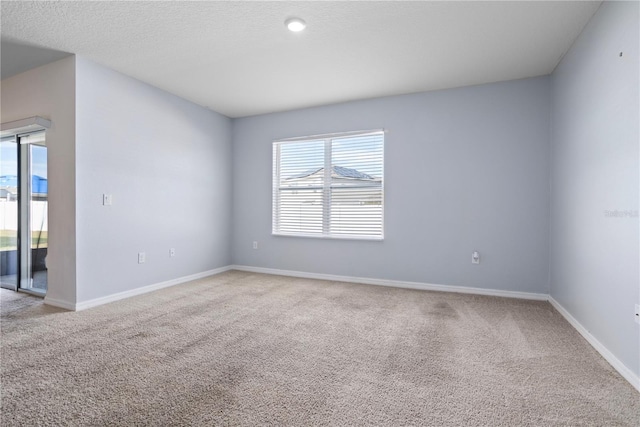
column 326, row 202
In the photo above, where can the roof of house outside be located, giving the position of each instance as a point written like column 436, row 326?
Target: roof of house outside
column 338, row 170
column 39, row 185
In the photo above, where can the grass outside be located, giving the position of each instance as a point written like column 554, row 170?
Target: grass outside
column 9, row 240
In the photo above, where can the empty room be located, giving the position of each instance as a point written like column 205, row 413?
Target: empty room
column 327, row 213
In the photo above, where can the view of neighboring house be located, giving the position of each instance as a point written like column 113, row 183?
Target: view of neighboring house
column 340, row 176
column 354, row 197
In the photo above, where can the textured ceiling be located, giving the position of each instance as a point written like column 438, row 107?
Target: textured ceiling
column 237, row 58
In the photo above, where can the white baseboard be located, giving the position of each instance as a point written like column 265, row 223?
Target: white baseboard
column 143, row 290
column 395, row 283
column 626, row 373
column 59, row 303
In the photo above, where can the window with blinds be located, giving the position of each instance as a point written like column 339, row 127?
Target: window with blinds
column 329, row 186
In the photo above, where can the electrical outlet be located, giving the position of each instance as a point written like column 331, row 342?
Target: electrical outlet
column 637, row 313
column 107, row 199
column 255, row 244
column 475, row 257
column 141, row 257
column 172, row 252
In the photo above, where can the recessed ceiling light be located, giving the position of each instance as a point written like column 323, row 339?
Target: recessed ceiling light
column 295, row 24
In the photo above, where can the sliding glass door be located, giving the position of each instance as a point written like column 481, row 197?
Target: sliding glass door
column 24, row 210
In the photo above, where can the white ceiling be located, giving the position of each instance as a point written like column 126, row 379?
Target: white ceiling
column 237, row 57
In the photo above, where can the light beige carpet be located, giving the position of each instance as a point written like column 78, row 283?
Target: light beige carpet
column 251, row 349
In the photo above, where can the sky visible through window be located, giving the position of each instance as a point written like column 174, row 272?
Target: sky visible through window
column 9, row 160
column 298, row 158
column 39, row 161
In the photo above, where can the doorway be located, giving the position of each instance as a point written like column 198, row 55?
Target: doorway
column 24, row 212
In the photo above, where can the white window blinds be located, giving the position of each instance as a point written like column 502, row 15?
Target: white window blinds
column 329, row 186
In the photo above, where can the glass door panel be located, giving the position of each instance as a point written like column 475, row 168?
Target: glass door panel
column 33, row 213
column 9, row 213
column 38, row 218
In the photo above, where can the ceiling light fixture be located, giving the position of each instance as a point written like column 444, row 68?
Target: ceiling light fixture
column 295, row 24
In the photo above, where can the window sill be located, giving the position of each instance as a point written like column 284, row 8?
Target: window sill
column 328, row 237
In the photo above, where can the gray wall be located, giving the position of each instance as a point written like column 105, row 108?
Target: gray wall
column 167, row 163
column 48, row 91
column 595, row 258
column 466, row 169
